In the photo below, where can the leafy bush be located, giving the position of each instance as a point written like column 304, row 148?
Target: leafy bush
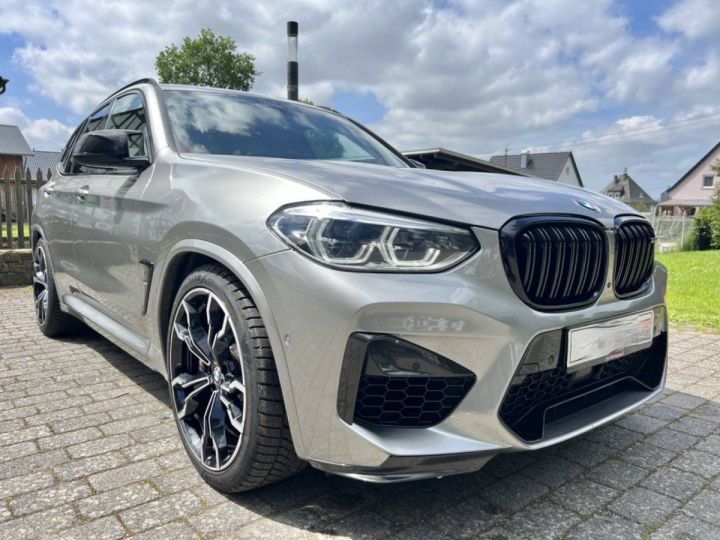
column 703, row 229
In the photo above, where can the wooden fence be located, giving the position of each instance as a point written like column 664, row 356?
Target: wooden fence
column 18, row 194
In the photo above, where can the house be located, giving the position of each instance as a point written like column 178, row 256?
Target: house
column 695, row 189
column 626, row 189
column 555, row 166
column 13, row 148
column 449, row 160
column 42, row 159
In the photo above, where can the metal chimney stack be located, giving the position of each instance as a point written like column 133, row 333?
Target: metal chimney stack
column 292, row 66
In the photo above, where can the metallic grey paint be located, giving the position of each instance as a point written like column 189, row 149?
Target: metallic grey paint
column 218, row 206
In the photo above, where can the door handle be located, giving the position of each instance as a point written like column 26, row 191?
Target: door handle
column 82, row 193
column 48, row 189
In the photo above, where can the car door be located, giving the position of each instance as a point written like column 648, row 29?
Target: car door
column 107, row 222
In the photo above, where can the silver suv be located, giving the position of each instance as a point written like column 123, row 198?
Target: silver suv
column 312, row 296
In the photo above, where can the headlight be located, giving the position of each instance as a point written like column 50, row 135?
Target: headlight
column 357, row 239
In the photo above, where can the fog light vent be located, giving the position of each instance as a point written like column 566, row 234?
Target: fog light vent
column 400, row 384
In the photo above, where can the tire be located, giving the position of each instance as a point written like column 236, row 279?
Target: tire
column 50, row 319
column 217, row 345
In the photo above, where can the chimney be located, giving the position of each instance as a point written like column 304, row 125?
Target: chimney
column 524, row 158
column 292, row 65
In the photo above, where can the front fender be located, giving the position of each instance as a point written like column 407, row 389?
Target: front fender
column 241, row 271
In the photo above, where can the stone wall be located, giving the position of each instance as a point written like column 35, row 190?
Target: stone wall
column 15, row 267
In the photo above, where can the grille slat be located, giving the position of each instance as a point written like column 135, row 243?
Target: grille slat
column 559, row 262
column 634, row 256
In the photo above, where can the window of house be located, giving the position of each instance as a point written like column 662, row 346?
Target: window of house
column 708, row 181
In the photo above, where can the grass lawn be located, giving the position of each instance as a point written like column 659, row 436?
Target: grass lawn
column 14, row 230
column 693, row 296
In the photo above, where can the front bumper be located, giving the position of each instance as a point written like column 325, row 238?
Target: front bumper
column 469, row 315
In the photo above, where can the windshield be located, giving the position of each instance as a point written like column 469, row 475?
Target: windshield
column 245, row 125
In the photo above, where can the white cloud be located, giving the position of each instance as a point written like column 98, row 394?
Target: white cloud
column 474, row 76
column 41, row 134
column 694, row 19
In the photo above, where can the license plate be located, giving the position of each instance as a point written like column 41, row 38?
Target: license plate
column 609, row 340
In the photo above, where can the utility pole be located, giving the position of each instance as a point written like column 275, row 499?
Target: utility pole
column 292, row 65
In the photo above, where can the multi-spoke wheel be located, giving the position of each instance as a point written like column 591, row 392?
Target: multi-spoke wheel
column 223, row 385
column 51, row 320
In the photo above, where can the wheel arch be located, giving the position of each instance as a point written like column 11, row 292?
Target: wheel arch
column 186, row 256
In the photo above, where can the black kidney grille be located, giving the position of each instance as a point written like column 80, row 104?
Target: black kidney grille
column 561, row 264
column 634, row 256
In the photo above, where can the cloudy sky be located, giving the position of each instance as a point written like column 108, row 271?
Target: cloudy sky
column 621, row 83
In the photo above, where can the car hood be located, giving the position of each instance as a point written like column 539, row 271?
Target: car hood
column 480, row 199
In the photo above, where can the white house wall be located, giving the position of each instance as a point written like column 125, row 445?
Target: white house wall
column 568, row 174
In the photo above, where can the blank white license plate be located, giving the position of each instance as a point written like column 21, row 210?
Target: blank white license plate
column 608, row 340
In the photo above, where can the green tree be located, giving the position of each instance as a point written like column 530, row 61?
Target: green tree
column 207, row 60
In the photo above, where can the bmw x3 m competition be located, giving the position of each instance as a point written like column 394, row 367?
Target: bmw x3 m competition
column 314, row 297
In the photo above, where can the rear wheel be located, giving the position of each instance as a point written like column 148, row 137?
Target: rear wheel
column 51, row 320
column 224, row 387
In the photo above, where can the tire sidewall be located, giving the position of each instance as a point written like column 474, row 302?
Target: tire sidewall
column 223, row 289
column 53, row 300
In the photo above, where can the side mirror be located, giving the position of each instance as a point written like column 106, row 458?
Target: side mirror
column 417, row 164
column 110, row 148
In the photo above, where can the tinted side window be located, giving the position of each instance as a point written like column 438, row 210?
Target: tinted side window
column 94, row 122
column 97, row 120
column 129, row 113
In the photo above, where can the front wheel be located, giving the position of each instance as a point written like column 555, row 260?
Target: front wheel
column 50, row 319
column 224, row 387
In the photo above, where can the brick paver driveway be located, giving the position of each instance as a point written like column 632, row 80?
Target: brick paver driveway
column 88, row 449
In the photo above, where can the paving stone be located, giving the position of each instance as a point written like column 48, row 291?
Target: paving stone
column 674, row 441
column 585, row 452
column 270, row 528
column 685, row 527
column 543, row 518
column 94, row 453
column 47, row 498
column 176, row 530
column 583, row 496
column 617, row 474
column 22, row 435
column 615, row 436
column 121, row 476
column 641, row 423
column 644, row 506
column 465, row 519
column 117, row 499
column 553, row 471
column 100, row 446
column 30, row 462
column 684, row 401
column 699, row 427
column 22, row 484
column 664, row 411
column 675, row 483
column 90, row 465
column 710, row 444
column 66, row 439
column 108, row 528
column 32, row 526
column 647, row 455
column 514, row 492
column 607, row 527
column 702, row 463
column 160, row 511
column 18, row 450
column 705, row 506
